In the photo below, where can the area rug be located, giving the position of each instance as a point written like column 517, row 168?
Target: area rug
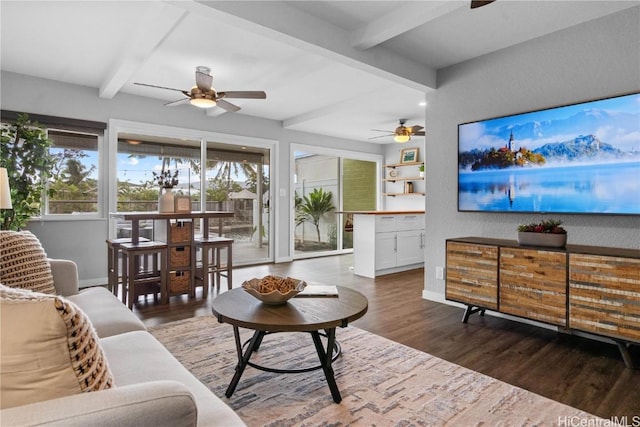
column 382, row 383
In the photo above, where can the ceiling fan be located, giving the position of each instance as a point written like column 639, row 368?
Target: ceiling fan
column 402, row 133
column 479, row 3
column 203, row 95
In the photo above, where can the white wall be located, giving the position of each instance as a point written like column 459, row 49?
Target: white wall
column 593, row 60
column 84, row 241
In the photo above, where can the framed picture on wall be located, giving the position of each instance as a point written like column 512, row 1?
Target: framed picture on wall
column 182, row 204
column 409, row 155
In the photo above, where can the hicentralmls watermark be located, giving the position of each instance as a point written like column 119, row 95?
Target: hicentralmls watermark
column 576, row 421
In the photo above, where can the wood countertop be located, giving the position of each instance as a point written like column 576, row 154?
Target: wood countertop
column 380, row 212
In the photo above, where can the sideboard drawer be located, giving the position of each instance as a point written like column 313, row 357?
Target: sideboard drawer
column 604, row 295
column 533, row 284
column 472, row 274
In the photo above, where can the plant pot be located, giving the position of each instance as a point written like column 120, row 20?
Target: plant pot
column 421, row 174
column 165, row 201
column 549, row 240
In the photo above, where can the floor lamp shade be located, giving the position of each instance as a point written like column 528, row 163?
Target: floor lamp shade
column 5, row 192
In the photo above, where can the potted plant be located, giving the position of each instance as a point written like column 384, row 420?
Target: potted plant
column 25, row 155
column 421, row 170
column 544, row 233
column 166, row 180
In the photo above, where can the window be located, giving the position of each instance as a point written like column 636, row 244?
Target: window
column 137, row 162
column 74, row 178
column 73, row 184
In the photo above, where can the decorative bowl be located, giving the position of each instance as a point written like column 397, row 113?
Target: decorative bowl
column 275, row 296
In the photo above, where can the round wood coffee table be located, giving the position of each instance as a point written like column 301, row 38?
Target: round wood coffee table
column 300, row 314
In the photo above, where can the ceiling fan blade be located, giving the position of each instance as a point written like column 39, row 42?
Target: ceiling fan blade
column 226, row 105
column 176, row 103
column 381, row 136
column 380, row 130
column 158, row 87
column 419, row 133
column 203, row 81
column 243, row 94
column 416, row 128
column 479, row 3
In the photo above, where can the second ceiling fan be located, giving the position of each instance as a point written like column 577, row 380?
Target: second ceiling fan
column 203, row 94
column 402, row 133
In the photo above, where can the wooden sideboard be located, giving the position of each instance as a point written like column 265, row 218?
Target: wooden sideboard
column 583, row 288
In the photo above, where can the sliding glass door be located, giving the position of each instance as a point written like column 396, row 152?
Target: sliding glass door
column 237, row 180
column 216, row 175
column 323, row 185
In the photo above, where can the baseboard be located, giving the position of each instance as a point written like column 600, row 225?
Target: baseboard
column 438, row 297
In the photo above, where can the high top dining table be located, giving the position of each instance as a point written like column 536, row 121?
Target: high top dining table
column 136, row 217
column 180, row 274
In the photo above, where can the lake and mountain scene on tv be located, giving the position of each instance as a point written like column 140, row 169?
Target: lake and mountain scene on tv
column 582, row 158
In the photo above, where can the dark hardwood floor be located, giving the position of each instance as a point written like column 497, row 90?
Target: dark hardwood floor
column 580, row 372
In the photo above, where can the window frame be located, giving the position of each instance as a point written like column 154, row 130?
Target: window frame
column 378, row 159
column 99, row 214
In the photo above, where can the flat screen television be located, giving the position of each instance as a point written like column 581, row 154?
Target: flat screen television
column 579, row 159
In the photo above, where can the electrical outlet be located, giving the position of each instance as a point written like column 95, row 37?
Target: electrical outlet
column 439, row 273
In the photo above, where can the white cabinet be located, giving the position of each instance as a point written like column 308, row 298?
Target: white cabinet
column 410, row 247
column 384, row 244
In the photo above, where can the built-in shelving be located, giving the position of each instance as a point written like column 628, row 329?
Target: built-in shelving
column 393, row 179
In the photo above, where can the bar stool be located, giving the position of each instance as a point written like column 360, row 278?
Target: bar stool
column 137, row 281
column 113, row 262
column 212, row 248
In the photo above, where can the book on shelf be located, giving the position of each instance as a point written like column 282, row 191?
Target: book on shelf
column 313, row 290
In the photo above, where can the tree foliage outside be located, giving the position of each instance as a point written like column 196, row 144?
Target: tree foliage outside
column 73, row 188
column 218, row 189
column 315, row 206
column 300, row 217
column 25, row 154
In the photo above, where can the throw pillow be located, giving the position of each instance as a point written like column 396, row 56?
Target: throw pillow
column 49, row 349
column 24, row 263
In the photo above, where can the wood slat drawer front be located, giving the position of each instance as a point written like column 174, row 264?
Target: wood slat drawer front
column 472, row 274
column 533, row 284
column 604, row 295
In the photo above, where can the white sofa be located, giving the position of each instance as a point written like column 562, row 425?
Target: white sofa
column 151, row 387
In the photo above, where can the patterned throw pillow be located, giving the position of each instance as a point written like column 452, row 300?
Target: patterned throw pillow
column 23, row 262
column 49, row 349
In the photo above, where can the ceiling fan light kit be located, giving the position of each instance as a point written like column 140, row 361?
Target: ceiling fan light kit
column 201, row 99
column 402, row 138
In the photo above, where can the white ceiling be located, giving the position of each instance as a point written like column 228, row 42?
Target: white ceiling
column 338, row 68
